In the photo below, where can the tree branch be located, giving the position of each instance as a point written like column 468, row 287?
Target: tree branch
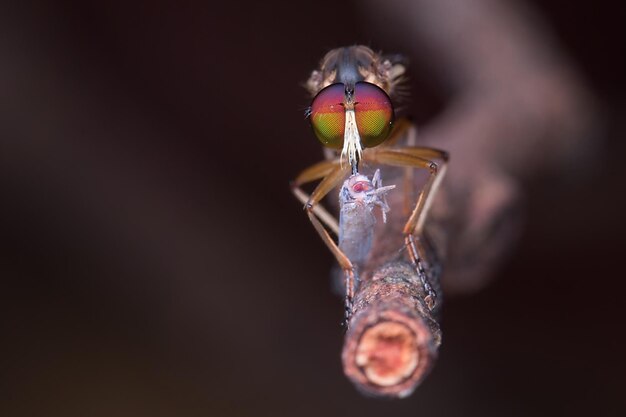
column 393, row 338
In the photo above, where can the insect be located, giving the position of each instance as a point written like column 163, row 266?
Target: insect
column 358, row 197
column 352, row 115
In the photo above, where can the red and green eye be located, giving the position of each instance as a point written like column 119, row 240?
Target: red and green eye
column 372, row 108
column 373, row 112
column 328, row 116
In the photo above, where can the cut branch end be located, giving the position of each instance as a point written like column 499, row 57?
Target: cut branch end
column 392, row 340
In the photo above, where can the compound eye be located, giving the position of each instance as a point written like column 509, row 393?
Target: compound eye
column 373, row 112
column 328, row 116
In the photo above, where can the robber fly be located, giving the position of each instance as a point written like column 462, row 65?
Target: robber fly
column 352, row 115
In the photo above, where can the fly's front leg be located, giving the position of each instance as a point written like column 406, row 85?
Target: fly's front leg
column 332, row 174
column 418, row 158
column 320, row 170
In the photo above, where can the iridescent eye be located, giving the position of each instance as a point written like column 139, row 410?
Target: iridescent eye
column 374, row 113
column 328, row 116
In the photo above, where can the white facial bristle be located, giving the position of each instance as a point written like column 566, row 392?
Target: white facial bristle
column 351, row 140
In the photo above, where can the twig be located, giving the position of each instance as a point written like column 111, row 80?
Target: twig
column 392, row 340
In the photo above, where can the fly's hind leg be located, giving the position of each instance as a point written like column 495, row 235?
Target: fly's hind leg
column 418, row 158
column 332, row 174
column 344, row 263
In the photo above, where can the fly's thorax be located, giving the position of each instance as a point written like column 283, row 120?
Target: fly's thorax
column 349, row 65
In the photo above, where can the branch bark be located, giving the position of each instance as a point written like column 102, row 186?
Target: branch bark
column 393, row 338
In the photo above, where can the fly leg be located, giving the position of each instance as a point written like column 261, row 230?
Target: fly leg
column 344, row 263
column 320, row 170
column 418, row 158
column 404, row 133
column 332, row 174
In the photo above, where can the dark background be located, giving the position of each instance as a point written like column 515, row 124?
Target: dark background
column 153, row 261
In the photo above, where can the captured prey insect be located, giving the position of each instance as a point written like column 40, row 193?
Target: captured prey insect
column 353, row 117
column 357, row 199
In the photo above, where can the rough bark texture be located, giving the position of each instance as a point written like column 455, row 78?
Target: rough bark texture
column 392, row 340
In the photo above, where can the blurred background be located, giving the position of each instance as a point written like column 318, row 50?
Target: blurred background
column 154, row 263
